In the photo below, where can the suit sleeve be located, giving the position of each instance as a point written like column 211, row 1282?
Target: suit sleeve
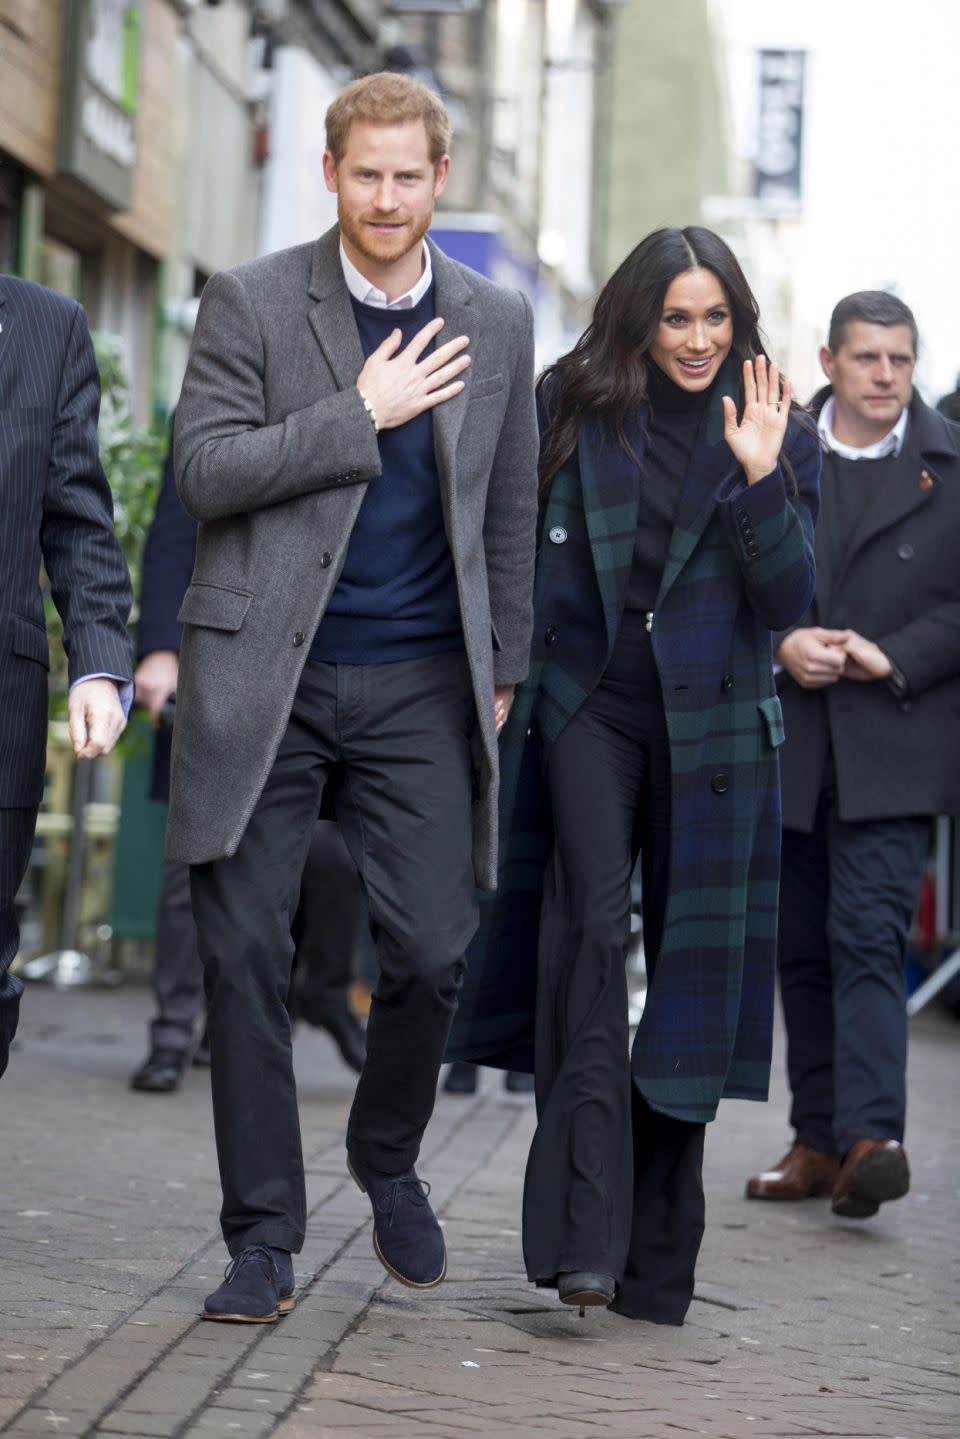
column 769, row 526
column 927, row 650
column 510, row 521
column 229, row 460
column 85, row 565
column 168, row 557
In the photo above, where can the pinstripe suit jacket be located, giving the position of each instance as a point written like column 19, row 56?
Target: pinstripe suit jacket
column 58, row 513
column 740, row 561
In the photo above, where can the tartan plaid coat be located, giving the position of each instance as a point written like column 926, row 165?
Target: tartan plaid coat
column 740, row 564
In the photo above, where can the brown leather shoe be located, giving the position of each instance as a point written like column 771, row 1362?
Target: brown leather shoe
column 873, row 1171
column 803, row 1173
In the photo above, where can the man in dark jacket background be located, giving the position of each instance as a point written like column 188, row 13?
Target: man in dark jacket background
column 870, row 689
column 331, row 926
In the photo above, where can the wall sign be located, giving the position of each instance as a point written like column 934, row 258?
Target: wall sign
column 778, row 166
column 101, row 74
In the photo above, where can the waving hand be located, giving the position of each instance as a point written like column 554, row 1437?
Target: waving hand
column 757, row 438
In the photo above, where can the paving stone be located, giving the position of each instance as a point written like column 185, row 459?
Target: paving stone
column 802, row 1324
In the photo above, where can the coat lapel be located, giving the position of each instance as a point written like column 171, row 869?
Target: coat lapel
column 610, row 482
column 331, row 318
column 822, row 548
column 454, row 305
column 900, row 493
column 712, row 470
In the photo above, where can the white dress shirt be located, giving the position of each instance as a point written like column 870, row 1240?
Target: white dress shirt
column 891, row 444
column 362, row 290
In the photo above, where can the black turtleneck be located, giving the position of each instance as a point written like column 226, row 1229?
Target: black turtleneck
column 675, row 416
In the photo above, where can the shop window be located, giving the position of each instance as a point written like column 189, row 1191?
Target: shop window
column 61, row 268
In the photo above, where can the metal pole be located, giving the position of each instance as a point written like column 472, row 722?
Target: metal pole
column 82, row 786
column 69, row 966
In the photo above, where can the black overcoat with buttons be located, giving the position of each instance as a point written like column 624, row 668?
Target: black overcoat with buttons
column 740, row 564
column 897, row 584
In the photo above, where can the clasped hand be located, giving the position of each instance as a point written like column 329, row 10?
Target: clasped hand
column 757, row 439
column 816, row 657
column 400, row 386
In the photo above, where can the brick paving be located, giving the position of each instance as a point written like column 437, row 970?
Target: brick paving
column 802, row 1325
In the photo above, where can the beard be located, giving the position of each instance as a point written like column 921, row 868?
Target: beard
column 382, row 249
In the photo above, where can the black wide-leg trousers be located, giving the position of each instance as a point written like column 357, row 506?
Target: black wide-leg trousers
column 612, row 1186
column 400, row 735
column 847, row 895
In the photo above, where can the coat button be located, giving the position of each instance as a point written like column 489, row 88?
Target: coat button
column 905, row 552
column 726, row 684
column 720, row 783
column 558, row 535
column 550, row 635
column 326, row 560
column 298, row 639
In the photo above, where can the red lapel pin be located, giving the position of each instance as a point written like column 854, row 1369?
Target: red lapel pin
column 926, row 483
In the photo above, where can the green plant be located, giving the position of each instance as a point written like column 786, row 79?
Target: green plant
column 132, row 456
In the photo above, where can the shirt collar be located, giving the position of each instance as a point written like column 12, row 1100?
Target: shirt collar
column 891, row 444
column 367, row 294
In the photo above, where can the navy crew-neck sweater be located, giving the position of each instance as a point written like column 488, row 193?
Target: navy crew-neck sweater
column 396, row 598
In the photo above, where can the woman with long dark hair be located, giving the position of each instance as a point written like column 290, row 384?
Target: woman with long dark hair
column 679, row 492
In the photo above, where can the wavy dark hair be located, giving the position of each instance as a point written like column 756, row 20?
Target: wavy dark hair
column 606, row 372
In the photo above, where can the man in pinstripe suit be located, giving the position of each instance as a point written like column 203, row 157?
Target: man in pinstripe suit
column 58, row 513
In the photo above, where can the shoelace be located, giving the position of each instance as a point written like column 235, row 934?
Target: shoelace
column 387, row 1202
column 246, row 1256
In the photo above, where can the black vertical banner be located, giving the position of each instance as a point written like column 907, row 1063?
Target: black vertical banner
column 778, row 167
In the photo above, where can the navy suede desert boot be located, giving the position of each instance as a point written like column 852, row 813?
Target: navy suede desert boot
column 257, row 1287
column 407, row 1239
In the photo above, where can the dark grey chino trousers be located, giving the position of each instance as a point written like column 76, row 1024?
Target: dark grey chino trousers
column 400, row 736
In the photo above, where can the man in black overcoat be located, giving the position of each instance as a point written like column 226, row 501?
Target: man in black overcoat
column 58, row 514
column 870, row 688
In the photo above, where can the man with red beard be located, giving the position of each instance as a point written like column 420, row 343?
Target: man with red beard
column 357, row 439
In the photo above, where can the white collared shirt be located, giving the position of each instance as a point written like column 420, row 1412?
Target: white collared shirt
column 367, row 294
column 891, row 443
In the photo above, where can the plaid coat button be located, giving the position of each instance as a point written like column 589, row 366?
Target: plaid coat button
column 558, row 535
column 720, row 783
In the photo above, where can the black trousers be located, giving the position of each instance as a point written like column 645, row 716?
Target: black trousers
column 847, row 896
column 16, row 838
column 400, row 735
column 331, row 928
column 611, row 1185
column 331, row 935
column 177, row 973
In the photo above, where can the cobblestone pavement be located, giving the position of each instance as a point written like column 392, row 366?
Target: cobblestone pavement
column 803, row 1324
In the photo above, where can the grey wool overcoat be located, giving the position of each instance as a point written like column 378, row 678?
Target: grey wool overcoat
column 274, row 452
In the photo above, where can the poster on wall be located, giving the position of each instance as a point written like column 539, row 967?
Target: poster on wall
column 101, row 77
column 778, row 163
